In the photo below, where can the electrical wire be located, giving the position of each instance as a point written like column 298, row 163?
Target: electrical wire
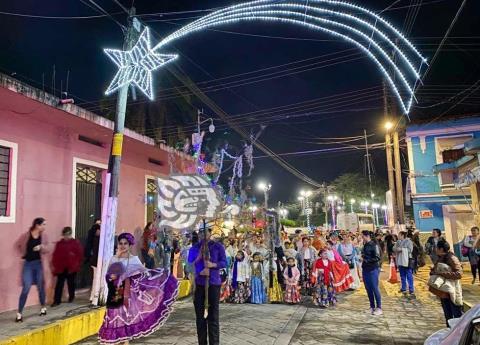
column 54, row 17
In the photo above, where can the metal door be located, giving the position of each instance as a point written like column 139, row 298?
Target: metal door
column 88, row 208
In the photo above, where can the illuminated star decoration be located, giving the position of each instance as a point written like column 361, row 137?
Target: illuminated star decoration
column 136, row 65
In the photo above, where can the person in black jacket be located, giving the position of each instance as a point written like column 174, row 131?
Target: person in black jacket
column 91, row 250
column 371, row 258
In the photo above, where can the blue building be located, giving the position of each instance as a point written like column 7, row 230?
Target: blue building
column 441, row 156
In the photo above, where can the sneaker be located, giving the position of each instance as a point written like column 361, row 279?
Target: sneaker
column 43, row 311
column 377, row 312
column 19, row 318
column 412, row 295
column 370, row 311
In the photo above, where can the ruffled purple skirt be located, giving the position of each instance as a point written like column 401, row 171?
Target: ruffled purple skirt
column 152, row 294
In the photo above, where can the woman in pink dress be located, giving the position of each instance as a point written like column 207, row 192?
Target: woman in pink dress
column 342, row 279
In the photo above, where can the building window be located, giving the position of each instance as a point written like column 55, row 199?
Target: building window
column 8, row 181
column 444, row 146
column 5, row 153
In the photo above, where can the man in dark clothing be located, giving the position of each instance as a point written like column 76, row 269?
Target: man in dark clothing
column 431, row 245
column 445, row 256
column 207, row 262
column 91, row 250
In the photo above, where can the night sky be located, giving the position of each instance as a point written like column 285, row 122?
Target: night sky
column 31, row 46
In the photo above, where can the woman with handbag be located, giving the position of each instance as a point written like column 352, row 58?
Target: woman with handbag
column 468, row 251
column 131, row 315
column 403, row 249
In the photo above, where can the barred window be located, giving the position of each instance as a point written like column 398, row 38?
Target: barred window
column 4, row 179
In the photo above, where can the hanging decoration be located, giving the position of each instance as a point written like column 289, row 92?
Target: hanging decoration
column 136, row 65
column 184, row 200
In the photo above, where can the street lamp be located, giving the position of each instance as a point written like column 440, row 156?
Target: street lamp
column 385, row 215
column 352, row 202
column 333, row 199
column 265, row 187
column 283, row 213
column 388, row 125
column 375, row 208
column 365, row 204
column 305, row 195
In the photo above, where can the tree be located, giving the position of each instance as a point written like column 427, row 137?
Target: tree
column 356, row 186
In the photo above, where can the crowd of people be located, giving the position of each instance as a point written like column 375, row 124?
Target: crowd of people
column 243, row 268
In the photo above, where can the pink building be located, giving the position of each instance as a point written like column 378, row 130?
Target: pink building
column 52, row 163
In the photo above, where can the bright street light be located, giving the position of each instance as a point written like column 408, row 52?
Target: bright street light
column 352, row 201
column 264, row 186
column 253, row 208
column 388, row 125
column 384, row 207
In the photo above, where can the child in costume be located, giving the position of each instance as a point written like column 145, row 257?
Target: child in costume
column 322, row 277
column 275, row 294
column 239, row 279
column 139, row 300
column 257, row 280
column 292, row 278
column 343, row 279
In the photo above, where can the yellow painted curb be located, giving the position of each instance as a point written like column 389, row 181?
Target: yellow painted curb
column 72, row 329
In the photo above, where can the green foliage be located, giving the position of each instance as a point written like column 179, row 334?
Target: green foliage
column 288, row 222
column 354, row 185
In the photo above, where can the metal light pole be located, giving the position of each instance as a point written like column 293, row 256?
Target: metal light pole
column 385, row 215
column 109, row 212
column 265, row 187
column 352, row 202
column 306, row 195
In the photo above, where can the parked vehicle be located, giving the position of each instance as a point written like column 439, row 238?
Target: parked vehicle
column 462, row 331
column 355, row 221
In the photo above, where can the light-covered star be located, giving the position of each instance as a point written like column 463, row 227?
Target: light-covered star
column 136, row 65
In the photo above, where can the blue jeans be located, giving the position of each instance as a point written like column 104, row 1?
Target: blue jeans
column 406, row 275
column 370, row 279
column 32, row 274
column 148, row 260
column 450, row 310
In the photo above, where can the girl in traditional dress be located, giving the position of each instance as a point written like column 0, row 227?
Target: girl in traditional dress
column 349, row 254
column 292, row 278
column 239, row 279
column 258, row 293
column 307, row 256
column 139, row 300
column 341, row 271
column 275, row 293
column 322, row 276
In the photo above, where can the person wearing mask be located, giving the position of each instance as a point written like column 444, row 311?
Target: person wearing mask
column 66, row 262
column 32, row 245
column 91, row 251
column 431, row 245
column 403, row 249
column 445, row 256
column 371, row 258
column 208, row 258
column 468, row 251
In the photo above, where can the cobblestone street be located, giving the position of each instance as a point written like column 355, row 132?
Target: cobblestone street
column 404, row 322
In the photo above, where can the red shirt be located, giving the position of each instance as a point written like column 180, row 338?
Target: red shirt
column 68, row 255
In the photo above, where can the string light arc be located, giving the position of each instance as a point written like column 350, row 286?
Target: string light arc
column 355, row 24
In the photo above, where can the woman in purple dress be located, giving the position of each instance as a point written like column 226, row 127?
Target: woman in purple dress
column 139, row 301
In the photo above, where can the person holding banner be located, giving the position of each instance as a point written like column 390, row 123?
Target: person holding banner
column 208, row 258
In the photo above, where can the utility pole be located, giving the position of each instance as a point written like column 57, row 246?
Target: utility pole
column 110, row 204
column 367, row 155
column 388, row 150
column 398, row 178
